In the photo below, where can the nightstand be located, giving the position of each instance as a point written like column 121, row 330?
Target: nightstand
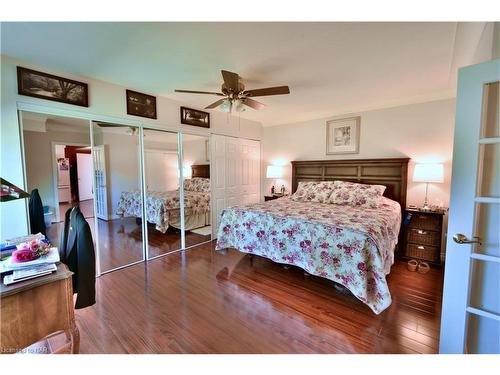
column 271, row 197
column 422, row 235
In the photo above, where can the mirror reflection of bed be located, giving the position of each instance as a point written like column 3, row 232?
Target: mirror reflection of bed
column 163, row 195
column 163, row 214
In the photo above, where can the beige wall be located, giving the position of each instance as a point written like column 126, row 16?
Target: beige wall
column 422, row 132
column 39, row 163
column 122, row 167
column 194, row 151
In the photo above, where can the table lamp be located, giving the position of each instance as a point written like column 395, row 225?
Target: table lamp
column 274, row 171
column 428, row 173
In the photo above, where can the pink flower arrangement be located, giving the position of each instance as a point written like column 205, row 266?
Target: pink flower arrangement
column 29, row 251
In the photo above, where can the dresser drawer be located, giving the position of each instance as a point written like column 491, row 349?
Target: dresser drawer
column 424, row 252
column 422, row 221
column 423, row 237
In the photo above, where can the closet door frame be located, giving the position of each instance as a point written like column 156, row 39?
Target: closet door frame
column 144, row 189
column 207, row 137
column 96, row 220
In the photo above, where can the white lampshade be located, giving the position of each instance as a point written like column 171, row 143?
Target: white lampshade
column 274, row 171
column 428, row 173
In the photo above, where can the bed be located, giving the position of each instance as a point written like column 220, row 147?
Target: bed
column 351, row 245
column 163, row 207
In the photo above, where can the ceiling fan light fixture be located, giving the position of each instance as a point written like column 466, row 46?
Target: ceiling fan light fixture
column 226, row 106
column 238, row 105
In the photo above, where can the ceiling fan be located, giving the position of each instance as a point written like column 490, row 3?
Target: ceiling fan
column 235, row 95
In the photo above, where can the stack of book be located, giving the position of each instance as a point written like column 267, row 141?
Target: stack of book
column 13, row 272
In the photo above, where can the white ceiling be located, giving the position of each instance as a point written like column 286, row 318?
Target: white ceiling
column 331, row 68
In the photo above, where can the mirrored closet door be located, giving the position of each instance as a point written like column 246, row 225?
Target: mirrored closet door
column 118, row 195
column 58, row 163
column 109, row 171
column 163, row 199
column 196, row 174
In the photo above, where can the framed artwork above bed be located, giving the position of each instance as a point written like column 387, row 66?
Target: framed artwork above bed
column 342, row 136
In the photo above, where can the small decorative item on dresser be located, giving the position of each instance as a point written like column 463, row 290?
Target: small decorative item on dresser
column 422, row 235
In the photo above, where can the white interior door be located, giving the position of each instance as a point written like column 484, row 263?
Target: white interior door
column 471, row 298
column 233, row 171
column 101, row 185
column 253, row 155
column 235, row 174
column 84, row 168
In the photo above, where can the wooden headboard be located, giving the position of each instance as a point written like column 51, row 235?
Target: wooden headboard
column 392, row 173
column 201, row 170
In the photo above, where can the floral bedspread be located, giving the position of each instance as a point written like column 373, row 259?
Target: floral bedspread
column 353, row 246
column 161, row 205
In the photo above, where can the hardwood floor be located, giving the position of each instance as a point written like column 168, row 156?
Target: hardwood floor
column 121, row 241
column 202, row 301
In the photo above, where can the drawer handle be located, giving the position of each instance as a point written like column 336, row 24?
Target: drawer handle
column 420, row 231
column 420, row 247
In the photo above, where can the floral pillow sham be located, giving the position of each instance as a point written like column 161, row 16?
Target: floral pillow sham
column 353, row 194
column 313, row 191
column 197, row 184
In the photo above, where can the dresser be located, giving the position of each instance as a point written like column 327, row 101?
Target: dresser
column 422, row 235
column 35, row 309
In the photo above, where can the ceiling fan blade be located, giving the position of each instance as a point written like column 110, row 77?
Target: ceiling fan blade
column 231, row 81
column 200, row 92
column 278, row 90
column 215, row 104
column 253, row 103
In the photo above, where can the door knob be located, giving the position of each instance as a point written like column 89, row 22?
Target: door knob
column 462, row 238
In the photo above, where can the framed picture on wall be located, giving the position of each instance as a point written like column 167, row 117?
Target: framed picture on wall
column 139, row 104
column 47, row 86
column 342, row 136
column 194, row 117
